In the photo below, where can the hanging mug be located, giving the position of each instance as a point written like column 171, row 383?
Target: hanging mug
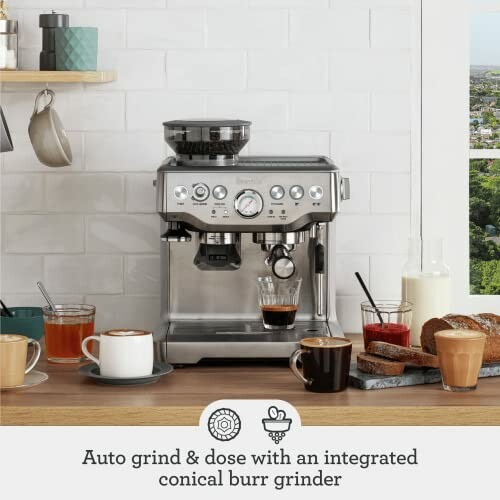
column 5, row 139
column 47, row 134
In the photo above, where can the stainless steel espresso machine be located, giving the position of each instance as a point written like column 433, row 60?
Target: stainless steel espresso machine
column 228, row 220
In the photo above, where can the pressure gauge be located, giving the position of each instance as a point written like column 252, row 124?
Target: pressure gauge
column 248, row 203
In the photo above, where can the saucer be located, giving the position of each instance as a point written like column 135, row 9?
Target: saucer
column 31, row 379
column 92, row 370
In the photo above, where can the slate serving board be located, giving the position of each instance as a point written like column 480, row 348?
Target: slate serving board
column 411, row 376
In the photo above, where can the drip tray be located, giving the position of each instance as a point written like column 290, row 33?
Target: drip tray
column 188, row 342
column 240, row 331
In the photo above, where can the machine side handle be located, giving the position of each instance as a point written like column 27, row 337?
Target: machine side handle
column 345, row 188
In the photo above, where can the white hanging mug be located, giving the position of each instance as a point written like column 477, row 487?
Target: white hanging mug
column 123, row 353
column 47, row 134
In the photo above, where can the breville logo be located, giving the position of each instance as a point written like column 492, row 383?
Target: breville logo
column 246, row 181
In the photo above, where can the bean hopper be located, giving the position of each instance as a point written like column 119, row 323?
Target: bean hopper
column 227, row 220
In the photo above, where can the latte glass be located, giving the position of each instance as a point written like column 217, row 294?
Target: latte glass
column 460, row 354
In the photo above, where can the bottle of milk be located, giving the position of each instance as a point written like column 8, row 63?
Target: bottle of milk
column 425, row 283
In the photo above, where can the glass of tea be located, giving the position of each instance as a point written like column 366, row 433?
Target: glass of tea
column 65, row 328
column 278, row 300
column 389, row 321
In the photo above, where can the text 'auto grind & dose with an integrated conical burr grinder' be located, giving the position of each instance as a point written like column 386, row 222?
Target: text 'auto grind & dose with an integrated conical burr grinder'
column 228, row 220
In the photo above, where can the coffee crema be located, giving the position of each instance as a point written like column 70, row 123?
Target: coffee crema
column 325, row 342
column 10, row 337
column 460, row 334
column 125, row 333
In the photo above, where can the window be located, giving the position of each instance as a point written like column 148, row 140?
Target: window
column 460, row 133
column 484, row 165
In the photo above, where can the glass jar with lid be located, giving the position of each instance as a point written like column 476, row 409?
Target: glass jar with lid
column 8, row 44
column 425, row 283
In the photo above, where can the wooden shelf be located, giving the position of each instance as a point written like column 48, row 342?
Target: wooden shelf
column 58, row 76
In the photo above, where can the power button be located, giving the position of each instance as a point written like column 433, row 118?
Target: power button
column 180, row 193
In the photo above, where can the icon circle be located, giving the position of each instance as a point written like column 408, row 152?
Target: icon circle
column 224, row 424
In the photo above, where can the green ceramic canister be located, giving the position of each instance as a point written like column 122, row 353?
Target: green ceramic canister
column 76, row 49
column 27, row 321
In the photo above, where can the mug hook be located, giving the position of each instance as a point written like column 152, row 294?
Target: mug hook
column 45, row 92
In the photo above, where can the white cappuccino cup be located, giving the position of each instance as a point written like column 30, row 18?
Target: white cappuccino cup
column 123, row 353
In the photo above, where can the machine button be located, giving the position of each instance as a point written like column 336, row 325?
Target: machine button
column 181, row 192
column 219, row 192
column 296, row 192
column 200, row 192
column 316, row 192
column 277, row 192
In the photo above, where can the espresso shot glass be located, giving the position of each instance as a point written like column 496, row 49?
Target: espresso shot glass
column 279, row 301
column 325, row 363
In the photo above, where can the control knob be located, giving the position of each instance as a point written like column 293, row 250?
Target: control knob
column 277, row 192
column 296, row 192
column 200, row 192
column 219, row 192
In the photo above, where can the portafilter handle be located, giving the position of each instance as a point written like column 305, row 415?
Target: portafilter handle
column 281, row 262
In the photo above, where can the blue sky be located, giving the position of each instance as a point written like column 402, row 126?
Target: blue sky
column 485, row 38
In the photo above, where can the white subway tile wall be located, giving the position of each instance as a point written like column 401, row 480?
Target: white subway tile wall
column 326, row 77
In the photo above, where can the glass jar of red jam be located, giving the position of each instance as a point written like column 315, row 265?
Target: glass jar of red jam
column 389, row 321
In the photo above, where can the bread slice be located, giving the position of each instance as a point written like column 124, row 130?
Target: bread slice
column 488, row 323
column 403, row 354
column 379, row 366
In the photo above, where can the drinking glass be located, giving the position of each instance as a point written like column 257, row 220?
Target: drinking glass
column 388, row 322
column 460, row 354
column 278, row 300
column 65, row 328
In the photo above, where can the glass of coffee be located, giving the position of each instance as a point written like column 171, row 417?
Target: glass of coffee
column 325, row 363
column 278, row 300
column 65, row 328
column 389, row 321
column 460, row 354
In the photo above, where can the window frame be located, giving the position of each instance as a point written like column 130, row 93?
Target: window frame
column 445, row 143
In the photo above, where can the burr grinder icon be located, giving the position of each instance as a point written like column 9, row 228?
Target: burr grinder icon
column 277, row 425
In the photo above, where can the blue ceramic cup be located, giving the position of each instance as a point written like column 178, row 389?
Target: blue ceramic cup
column 27, row 321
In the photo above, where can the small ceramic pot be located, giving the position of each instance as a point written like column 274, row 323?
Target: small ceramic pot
column 47, row 134
column 27, row 321
column 76, row 49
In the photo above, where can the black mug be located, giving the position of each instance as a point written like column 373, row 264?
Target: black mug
column 325, row 363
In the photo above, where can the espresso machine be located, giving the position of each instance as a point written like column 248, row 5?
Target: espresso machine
column 227, row 220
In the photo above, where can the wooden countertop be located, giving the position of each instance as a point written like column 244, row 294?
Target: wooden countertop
column 68, row 398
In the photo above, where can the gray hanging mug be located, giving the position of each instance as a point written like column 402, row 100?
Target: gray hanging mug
column 47, row 134
column 5, row 139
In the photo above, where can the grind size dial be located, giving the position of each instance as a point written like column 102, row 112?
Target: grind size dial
column 248, row 203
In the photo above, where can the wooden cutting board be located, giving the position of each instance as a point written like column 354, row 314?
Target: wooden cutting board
column 411, row 376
